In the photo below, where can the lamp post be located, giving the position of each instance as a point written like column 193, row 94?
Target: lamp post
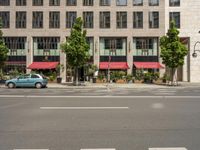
column 194, row 54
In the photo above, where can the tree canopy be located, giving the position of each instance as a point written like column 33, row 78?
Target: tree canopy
column 3, row 49
column 172, row 50
column 76, row 47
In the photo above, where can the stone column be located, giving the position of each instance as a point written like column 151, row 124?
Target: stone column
column 130, row 54
column 29, row 52
column 63, row 61
column 96, row 53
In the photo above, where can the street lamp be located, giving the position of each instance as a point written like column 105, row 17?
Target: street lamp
column 194, row 54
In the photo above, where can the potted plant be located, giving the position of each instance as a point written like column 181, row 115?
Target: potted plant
column 100, row 78
column 138, row 78
column 59, row 68
column 120, row 77
column 165, row 78
column 129, row 78
column 148, row 77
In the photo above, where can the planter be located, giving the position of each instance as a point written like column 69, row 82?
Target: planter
column 99, row 81
column 158, row 81
column 148, row 81
column 120, row 81
column 59, row 79
column 138, row 81
column 94, row 79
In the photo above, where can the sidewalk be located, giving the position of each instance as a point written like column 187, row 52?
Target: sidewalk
column 115, row 85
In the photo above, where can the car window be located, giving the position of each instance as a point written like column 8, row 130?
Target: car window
column 26, row 76
column 21, row 77
column 34, row 76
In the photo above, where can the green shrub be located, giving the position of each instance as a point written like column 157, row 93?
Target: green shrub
column 139, row 75
column 101, row 77
column 129, row 77
column 156, row 75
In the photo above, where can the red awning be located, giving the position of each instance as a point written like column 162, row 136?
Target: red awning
column 148, row 65
column 113, row 65
column 43, row 65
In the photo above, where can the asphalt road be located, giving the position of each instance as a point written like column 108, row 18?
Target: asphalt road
column 165, row 91
column 39, row 119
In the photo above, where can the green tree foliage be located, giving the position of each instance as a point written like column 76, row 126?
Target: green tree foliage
column 172, row 50
column 3, row 49
column 76, row 47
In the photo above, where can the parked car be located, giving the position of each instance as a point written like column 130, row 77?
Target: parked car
column 27, row 80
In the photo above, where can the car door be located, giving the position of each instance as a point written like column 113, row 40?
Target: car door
column 34, row 78
column 21, row 81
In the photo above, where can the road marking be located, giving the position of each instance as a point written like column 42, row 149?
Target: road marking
column 86, row 108
column 157, row 105
column 172, row 148
column 30, row 149
column 100, row 149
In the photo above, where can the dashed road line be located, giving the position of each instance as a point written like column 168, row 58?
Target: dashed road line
column 100, row 149
column 169, row 148
column 82, row 108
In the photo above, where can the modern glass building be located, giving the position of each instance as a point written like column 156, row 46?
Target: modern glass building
column 125, row 33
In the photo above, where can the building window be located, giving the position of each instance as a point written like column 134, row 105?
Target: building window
column 88, row 2
column 37, row 21
column 54, row 19
column 20, row 2
column 153, row 2
column 46, row 46
column 104, row 19
column 138, row 19
column 37, row 2
column 174, row 2
column 104, row 2
column 5, row 18
column 113, row 46
column 16, row 45
column 70, row 19
column 154, row 19
column 71, row 2
column 121, row 2
column 4, row 2
column 175, row 16
column 137, row 2
column 20, row 19
column 145, row 46
column 121, row 19
column 88, row 19
column 54, row 2
column 90, row 41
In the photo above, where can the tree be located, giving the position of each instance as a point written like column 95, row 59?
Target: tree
column 3, row 49
column 172, row 51
column 76, row 47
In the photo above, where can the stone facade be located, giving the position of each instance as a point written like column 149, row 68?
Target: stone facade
column 190, row 16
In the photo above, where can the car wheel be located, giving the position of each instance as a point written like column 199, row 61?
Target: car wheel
column 38, row 85
column 11, row 85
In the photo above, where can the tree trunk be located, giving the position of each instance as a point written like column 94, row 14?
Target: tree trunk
column 174, row 76
column 76, row 76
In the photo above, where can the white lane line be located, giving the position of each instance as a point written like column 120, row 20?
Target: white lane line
column 170, row 148
column 84, row 108
column 30, row 149
column 100, row 149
